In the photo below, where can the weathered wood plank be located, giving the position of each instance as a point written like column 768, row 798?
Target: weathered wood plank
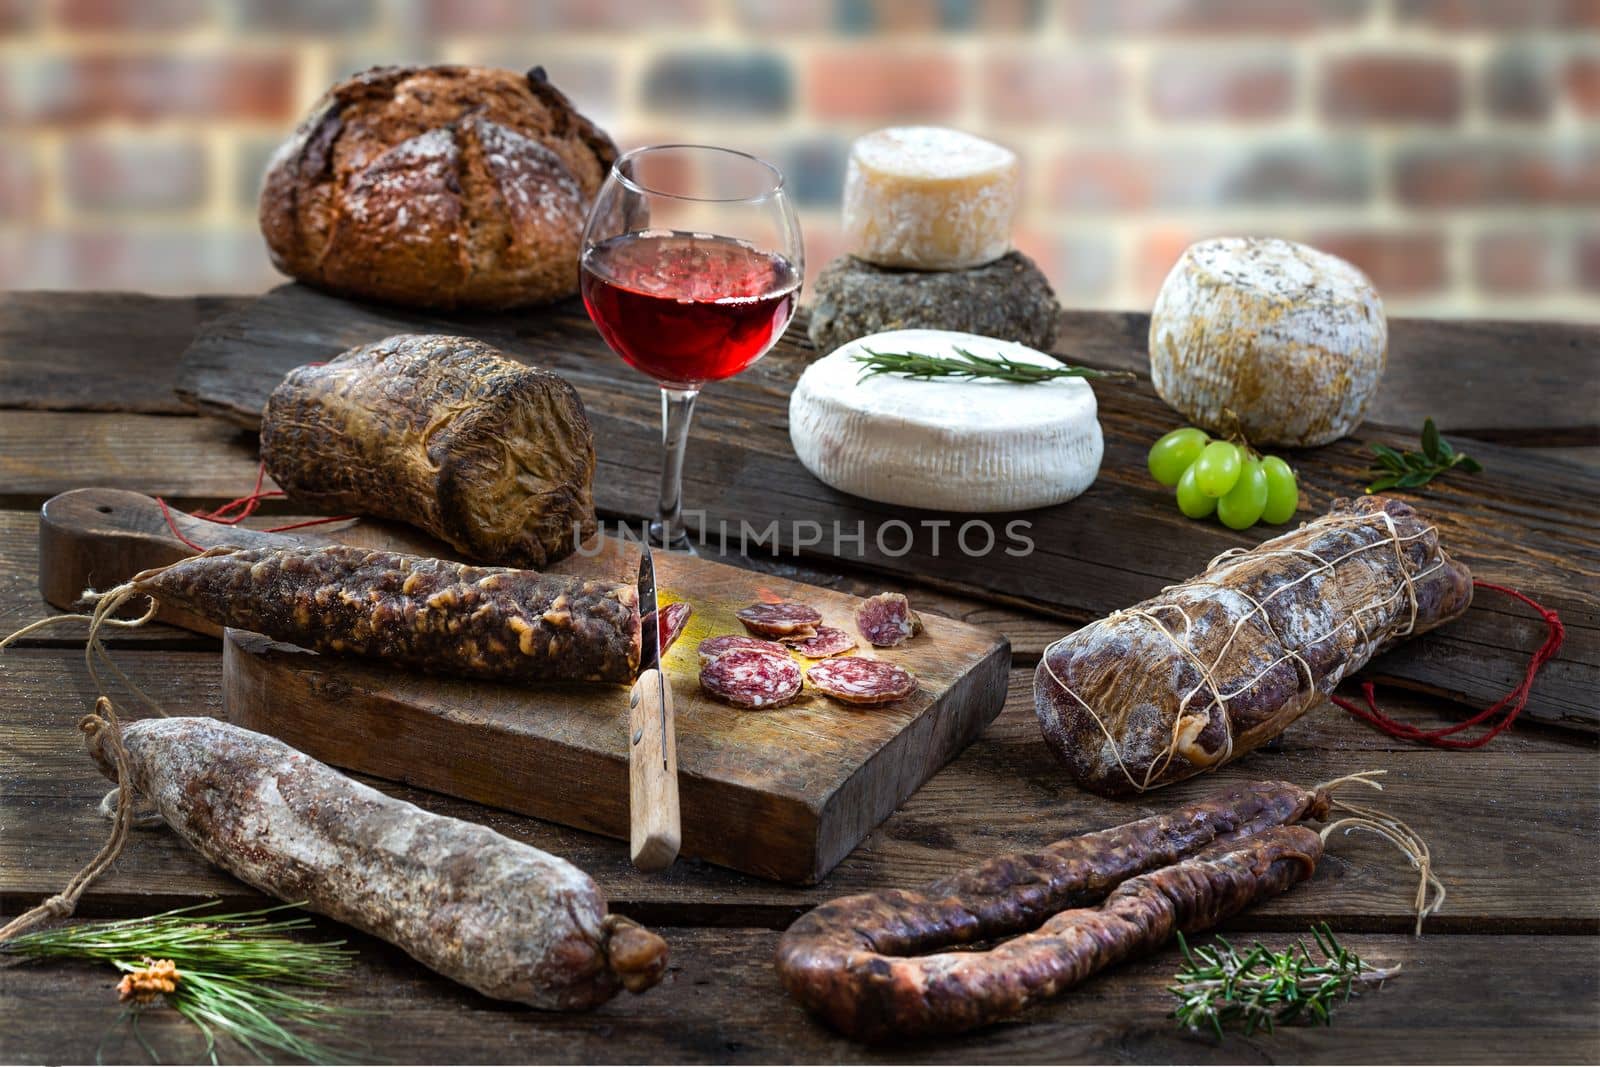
column 1513, row 826
column 721, row 1003
column 1518, row 383
column 69, row 351
column 1527, row 522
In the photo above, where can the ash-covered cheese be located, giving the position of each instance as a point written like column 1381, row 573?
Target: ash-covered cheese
column 929, row 198
column 945, row 444
column 1288, row 340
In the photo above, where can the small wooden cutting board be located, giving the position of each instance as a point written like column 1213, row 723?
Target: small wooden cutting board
column 784, row 794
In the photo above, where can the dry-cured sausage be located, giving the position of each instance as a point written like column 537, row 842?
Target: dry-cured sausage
column 886, row 620
column 856, row 680
column 873, row 965
column 491, row 913
column 1212, row 668
column 827, row 641
column 747, row 678
column 429, row 614
column 782, row 619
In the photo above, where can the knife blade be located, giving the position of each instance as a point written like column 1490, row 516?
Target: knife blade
column 654, row 829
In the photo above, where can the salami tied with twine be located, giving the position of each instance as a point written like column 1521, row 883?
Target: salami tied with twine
column 1216, row 666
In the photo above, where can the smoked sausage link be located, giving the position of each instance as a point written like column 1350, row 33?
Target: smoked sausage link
column 494, row 914
column 430, row 614
column 871, row 966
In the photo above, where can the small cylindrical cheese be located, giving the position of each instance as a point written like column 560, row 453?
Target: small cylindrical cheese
column 1282, row 341
column 929, row 198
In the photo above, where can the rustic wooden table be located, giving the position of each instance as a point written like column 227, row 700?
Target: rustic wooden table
column 1510, row 971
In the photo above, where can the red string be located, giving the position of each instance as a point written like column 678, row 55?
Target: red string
column 1441, row 738
column 245, row 506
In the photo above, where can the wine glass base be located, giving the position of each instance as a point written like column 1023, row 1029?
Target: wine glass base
column 678, row 543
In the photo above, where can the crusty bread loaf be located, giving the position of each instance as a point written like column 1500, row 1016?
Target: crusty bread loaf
column 440, row 187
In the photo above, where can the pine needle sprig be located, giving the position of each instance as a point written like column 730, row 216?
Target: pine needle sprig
column 1258, row 989
column 968, row 365
column 1407, row 470
column 239, row 976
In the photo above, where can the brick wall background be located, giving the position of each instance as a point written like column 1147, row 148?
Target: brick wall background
column 1451, row 148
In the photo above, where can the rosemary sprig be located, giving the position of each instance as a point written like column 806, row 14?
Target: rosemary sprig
column 238, row 976
column 969, row 365
column 1407, row 470
column 1259, row 989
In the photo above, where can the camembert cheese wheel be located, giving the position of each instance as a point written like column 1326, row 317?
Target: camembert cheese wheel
column 944, row 443
column 1289, row 341
column 929, row 198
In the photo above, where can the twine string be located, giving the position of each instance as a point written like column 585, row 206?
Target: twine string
column 1411, row 573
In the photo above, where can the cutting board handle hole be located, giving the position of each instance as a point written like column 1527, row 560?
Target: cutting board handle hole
column 104, row 509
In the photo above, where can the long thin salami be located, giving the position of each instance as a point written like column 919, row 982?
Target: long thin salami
column 429, row 614
column 491, row 913
column 861, row 962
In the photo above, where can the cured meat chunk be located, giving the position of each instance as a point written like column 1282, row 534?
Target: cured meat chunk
column 783, row 619
column 829, row 641
column 747, row 678
column 1219, row 665
column 855, row 680
column 712, row 647
column 886, row 620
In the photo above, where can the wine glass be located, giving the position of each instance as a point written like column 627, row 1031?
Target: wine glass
column 691, row 270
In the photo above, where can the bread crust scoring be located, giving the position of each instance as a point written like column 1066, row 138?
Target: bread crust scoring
column 441, row 187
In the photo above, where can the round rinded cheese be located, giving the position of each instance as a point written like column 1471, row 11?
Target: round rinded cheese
column 929, row 198
column 945, row 444
column 1284, row 340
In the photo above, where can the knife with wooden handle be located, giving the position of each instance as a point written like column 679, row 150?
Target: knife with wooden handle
column 655, row 830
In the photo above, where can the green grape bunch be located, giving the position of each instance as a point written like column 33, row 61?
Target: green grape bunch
column 1224, row 479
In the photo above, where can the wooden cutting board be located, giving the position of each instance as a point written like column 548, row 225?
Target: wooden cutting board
column 1527, row 522
column 784, row 794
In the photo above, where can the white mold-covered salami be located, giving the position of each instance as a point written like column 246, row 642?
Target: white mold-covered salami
column 750, row 679
column 1290, row 340
column 856, row 680
column 1216, row 666
column 491, row 913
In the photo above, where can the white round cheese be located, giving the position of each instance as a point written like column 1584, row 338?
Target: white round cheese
column 929, row 198
column 1289, row 341
column 945, row 444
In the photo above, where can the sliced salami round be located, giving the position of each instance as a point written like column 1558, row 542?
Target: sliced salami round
column 783, row 619
column 747, row 678
column 887, row 620
column 856, row 680
column 712, row 647
column 829, row 641
column 670, row 621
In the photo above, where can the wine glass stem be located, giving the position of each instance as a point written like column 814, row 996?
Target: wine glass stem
column 677, row 408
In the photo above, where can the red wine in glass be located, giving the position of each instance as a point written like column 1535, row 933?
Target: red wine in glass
column 687, row 308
